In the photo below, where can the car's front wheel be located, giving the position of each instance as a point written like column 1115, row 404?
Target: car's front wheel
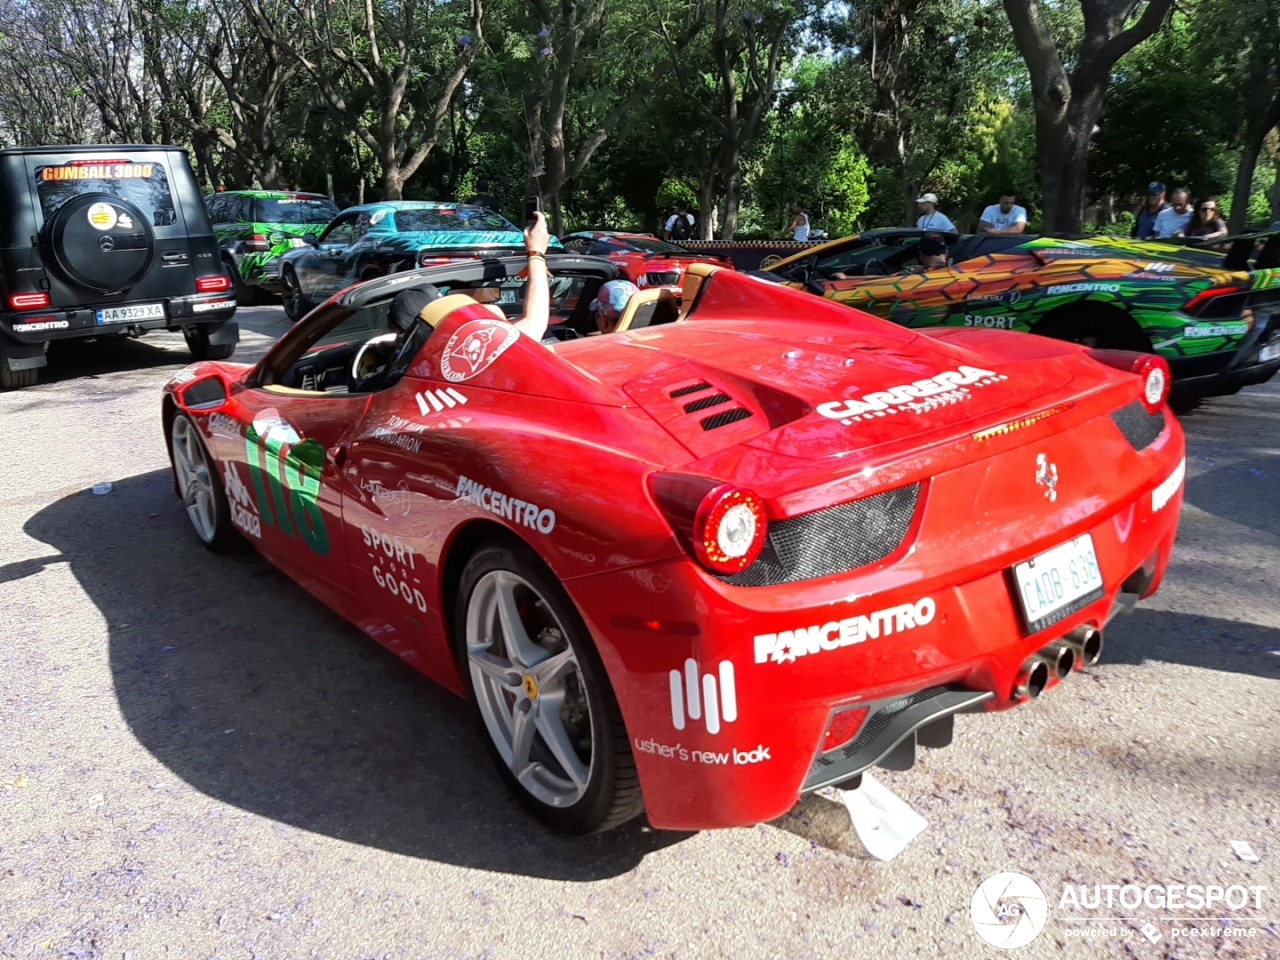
column 542, row 693
column 200, row 487
column 295, row 304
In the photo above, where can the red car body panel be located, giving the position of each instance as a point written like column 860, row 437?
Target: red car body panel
column 558, row 449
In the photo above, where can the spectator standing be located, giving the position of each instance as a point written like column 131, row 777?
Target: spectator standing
column 1173, row 219
column 1004, row 219
column 483, row 198
column 680, row 224
column 1207, row 223
column 931, row 218
column 1144, row 227
column 799, row 223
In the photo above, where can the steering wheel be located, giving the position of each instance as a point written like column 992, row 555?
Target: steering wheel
column 358, row 372
column 875, row 268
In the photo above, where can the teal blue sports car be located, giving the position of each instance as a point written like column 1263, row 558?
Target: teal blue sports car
column 375, row 239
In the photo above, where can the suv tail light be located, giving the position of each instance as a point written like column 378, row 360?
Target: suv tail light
column 723, row 526
column 258, row 243
column 213, row 284
column 1154, row 371
column 30, row 301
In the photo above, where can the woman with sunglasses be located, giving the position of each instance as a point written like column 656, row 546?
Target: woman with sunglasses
column 1206, row 223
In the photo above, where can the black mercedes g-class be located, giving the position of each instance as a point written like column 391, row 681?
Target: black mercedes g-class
column 106, row 241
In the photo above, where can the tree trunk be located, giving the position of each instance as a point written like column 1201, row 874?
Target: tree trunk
column 908, row 197
column 1063, row 147
column 1249, row 151
column 732, row 199
column 706, row 206
column 392, row 182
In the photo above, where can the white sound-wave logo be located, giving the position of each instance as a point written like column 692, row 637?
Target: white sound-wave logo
column 714, row 696
column 433, row 401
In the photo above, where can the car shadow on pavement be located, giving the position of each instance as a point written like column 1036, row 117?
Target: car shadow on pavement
column 78, row 359
column 252, row 692
column 1213, row 643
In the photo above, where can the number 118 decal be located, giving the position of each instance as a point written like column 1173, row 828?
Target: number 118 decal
column 288, row 497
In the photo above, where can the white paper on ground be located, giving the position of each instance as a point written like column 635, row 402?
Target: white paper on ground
column 884, row 823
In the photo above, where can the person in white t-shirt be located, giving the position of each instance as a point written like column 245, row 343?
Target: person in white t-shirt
column 1172, row 221
column 1004, row 219
column 800, row 223
column 931, row 218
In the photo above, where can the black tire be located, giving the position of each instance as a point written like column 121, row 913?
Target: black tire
column 1100, row 327
column 17, row 379
column 201, row 349
column 220, row 536
column 372, row 273
column 612, row 793
column 247, row 295
column 295, row 304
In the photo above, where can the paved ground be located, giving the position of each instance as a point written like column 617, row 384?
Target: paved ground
column 197, row 761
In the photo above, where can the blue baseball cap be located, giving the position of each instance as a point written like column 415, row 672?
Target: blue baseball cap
column 1154, row 187
column 613, row 296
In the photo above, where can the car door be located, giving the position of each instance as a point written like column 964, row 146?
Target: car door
column 322, row 268
column 284, row 437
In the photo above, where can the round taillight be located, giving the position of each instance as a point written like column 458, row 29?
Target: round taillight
column 729, row 530
column 1155, row 382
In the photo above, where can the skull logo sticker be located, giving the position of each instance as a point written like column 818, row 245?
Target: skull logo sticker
column 474, row 347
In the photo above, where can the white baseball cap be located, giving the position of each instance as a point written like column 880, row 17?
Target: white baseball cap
column 928, row 198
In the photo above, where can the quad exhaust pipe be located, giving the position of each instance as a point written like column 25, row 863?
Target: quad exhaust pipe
column 1080, row 648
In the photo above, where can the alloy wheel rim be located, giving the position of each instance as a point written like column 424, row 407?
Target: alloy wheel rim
column 195, row 481
column 292, row 293
column 530, row 689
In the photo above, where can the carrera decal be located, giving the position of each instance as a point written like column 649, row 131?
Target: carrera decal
column 434, row 401
column 1169, row 486
column 288, row 497
column 394, row 565
column 475, row 347
column 788, row 645
column 244, row 515
column 921, row 396
column 224, row 425
column 712, row 697
column 511, row 508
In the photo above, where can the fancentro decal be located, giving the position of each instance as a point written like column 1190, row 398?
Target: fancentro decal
column 474, row 347
column 786, row 646
column 511, row 508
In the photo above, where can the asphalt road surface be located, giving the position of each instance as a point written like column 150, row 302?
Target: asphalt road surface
column 198, row 761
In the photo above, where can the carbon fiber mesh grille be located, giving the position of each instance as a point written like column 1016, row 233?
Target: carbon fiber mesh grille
column 833, row 541
column 876, row 724
column 1139, row 427
column 692, row 388
column 693, row 406
column 726, row 418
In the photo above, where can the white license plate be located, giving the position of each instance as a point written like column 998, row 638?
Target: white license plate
column 507, row 296
column 1269, row 352
column 137, row 311
column 1059, row 582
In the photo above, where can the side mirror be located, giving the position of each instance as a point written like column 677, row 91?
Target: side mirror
column 204, row 393
column 310, row 239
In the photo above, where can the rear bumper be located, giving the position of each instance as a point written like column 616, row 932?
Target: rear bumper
column 42, row 326
column 1218, row 374
column 728, row 692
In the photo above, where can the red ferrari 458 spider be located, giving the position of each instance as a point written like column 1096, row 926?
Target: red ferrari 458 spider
column 702, row 567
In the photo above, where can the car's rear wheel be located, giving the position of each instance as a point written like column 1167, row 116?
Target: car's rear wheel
column 1101, row 327
column 246, row 294
column 17, row 379
column 542, row 693
column 295, row 304
column 200, row 347
column 200, row 487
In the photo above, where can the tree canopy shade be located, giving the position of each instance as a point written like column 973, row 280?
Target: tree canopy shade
column 610, row 110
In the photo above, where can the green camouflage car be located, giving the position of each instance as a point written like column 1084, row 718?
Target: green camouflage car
column 254, row 227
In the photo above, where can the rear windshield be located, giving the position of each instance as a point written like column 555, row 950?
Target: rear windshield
column 145, row 185
column 452, row 218
column 294, row 210
column 509, row 294
column 643, row 244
